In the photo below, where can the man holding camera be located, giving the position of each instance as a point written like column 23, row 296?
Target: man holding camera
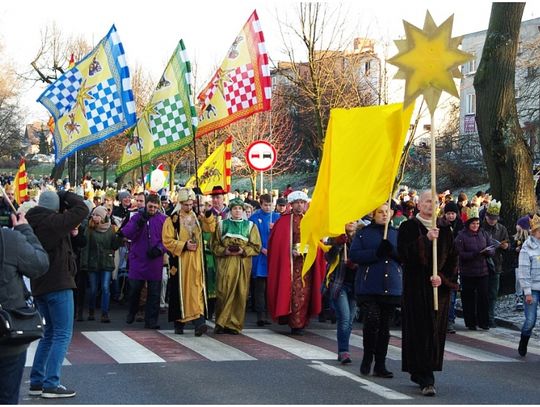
column 145, row 260
column 53, row 220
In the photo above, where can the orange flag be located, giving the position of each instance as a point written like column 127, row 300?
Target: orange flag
column 21, row 183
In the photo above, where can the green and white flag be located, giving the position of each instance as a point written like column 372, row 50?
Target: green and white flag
column 169, row 121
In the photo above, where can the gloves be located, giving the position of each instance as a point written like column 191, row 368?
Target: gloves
column 154, row 252
column 143, row 219
column 341, row 239
column 208, row 213
column 384, row 249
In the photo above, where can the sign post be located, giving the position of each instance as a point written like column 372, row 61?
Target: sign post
column 261, row 156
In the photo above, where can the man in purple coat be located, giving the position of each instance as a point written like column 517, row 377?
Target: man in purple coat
column 145, row 260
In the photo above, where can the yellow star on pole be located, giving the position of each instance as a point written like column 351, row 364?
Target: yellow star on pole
column 429, row 60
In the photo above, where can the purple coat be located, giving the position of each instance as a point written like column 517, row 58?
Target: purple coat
column 469, row 245
column 141, row 267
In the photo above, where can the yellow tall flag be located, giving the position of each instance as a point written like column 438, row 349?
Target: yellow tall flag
column 359, row 164
column 21, row 183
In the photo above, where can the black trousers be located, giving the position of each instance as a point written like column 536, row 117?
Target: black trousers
column 259, row 296
column 423, row 379
column 376, row 329
column 151, row 311
column 475, row 300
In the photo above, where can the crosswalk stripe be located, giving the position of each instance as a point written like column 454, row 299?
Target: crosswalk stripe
column 208, row 347
column 298, row 348
column 366, row 384
column 499, row 341
column 122, row 348
column 469, row 352
column 31, row 352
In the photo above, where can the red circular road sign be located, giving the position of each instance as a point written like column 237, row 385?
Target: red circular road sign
column 261, row 155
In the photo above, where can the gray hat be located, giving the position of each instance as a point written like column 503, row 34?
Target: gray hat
column 123, row 194
column 49, row 200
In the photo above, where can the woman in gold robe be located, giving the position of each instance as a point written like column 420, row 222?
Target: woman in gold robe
column 235, row 241
column 182, row 236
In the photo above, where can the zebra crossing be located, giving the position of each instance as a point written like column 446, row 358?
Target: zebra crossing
column 148, row 346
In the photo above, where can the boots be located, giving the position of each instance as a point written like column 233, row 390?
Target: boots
column 365, row 366
column 523, row 342
column 379, row 370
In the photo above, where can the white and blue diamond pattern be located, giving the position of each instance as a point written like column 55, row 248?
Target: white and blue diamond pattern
column 105, row 109
column 63, row 92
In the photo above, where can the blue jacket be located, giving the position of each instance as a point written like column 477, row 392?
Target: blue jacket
column 376, row 276
column 262, row 220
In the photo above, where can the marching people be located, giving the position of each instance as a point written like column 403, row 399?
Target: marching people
column 528, row 273
column 182, row 237
column 53, row 220
column 234, row 242
column 424, row 329
column 475, row 248
column 499, row 233
column 339, row 283
column 378, row 288
column 145, row 258
column 264, row 219
column 217, row 212
column 97, row 259
column 292, row 299
column 22, row 255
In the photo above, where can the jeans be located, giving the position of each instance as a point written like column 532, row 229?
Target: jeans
column 452, row 309
column 103, row 278
column 151, row 311
column 494, row 280
column 345, row 307
column 530, row 314
column 11, row 372
column 57, row 309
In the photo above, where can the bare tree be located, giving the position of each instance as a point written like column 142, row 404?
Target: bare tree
column 331, row 76
column 506, row 153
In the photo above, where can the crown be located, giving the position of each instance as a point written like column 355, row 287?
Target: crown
column 535, row 222
column 472, row 212
column 494, row 207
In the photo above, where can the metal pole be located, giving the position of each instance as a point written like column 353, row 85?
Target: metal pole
column 261, row 183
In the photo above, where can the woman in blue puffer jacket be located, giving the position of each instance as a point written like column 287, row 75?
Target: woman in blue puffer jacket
column 378, row 288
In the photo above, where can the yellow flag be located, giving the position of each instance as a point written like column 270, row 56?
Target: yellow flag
column 216, row 170
column 359, row 164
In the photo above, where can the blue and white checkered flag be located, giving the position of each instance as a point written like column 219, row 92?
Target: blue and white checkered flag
column 93, row 100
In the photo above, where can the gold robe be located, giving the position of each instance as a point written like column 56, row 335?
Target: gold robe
column 187, row 292
column 234, row 273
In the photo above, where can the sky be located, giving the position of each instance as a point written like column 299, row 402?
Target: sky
column 150, row 30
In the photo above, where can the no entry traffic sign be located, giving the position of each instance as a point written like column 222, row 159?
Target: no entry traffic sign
column 261, row 155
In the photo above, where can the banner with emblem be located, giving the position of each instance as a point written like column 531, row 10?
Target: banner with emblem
column 93, row 100
column 241, row 86
column 216, row 170
column 169, row 121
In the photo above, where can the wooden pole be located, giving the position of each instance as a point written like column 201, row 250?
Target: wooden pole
column 435, row 204
column 385, row 235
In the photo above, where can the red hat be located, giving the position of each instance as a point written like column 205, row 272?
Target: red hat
column 218, row 190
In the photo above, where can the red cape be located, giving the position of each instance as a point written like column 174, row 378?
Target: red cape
column 280, row 271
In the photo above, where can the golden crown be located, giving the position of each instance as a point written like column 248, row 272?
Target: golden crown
column 494, row 207
column 535, row 222
column 472, row 212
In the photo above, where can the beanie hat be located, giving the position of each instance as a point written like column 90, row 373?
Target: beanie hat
column 89, row 205
column 100, row 211
column 524, row 222
column 123, row 194
column 49, row 200
column 450, row 207
column 281, row 201
column 236, row 202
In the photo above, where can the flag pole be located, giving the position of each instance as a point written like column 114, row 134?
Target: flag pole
column 140, row 154
column 7, row 199
column 385, row 234
column 434, row 202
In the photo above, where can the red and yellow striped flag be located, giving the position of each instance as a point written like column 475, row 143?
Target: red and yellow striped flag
column 21, row 183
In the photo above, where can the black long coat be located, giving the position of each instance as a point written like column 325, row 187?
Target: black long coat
column 424, row 330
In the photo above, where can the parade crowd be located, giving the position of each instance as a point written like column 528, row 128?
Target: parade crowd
column 193, row 258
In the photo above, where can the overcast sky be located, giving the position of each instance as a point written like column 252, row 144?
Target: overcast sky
column 150, row 30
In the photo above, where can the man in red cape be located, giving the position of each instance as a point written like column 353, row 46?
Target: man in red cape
column 291, row 300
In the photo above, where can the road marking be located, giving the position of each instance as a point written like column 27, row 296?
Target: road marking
column 298, row 348
column 469, row 351
column 500, row 341
column 122, row 348
column 31, row 352
column 208, row 347
column 394, row 352
column 366, row 384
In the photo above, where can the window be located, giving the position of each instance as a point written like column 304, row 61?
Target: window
column 471, row 104
column 367, row 67
column 517, row 93
column 471, row 65
column 532, row 72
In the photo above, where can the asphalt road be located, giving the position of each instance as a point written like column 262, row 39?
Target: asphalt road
column 106, row 365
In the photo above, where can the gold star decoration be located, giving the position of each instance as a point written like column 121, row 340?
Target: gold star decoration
column 82, row 95
column 149, row 110
column 429, row 60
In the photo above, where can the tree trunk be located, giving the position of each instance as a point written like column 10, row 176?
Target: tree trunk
column 172, row 170
column 507, row 156
column 253, row 179
column 58, row 169
column 105, row 170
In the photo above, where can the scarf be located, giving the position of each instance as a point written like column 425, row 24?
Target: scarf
column 425, row 222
